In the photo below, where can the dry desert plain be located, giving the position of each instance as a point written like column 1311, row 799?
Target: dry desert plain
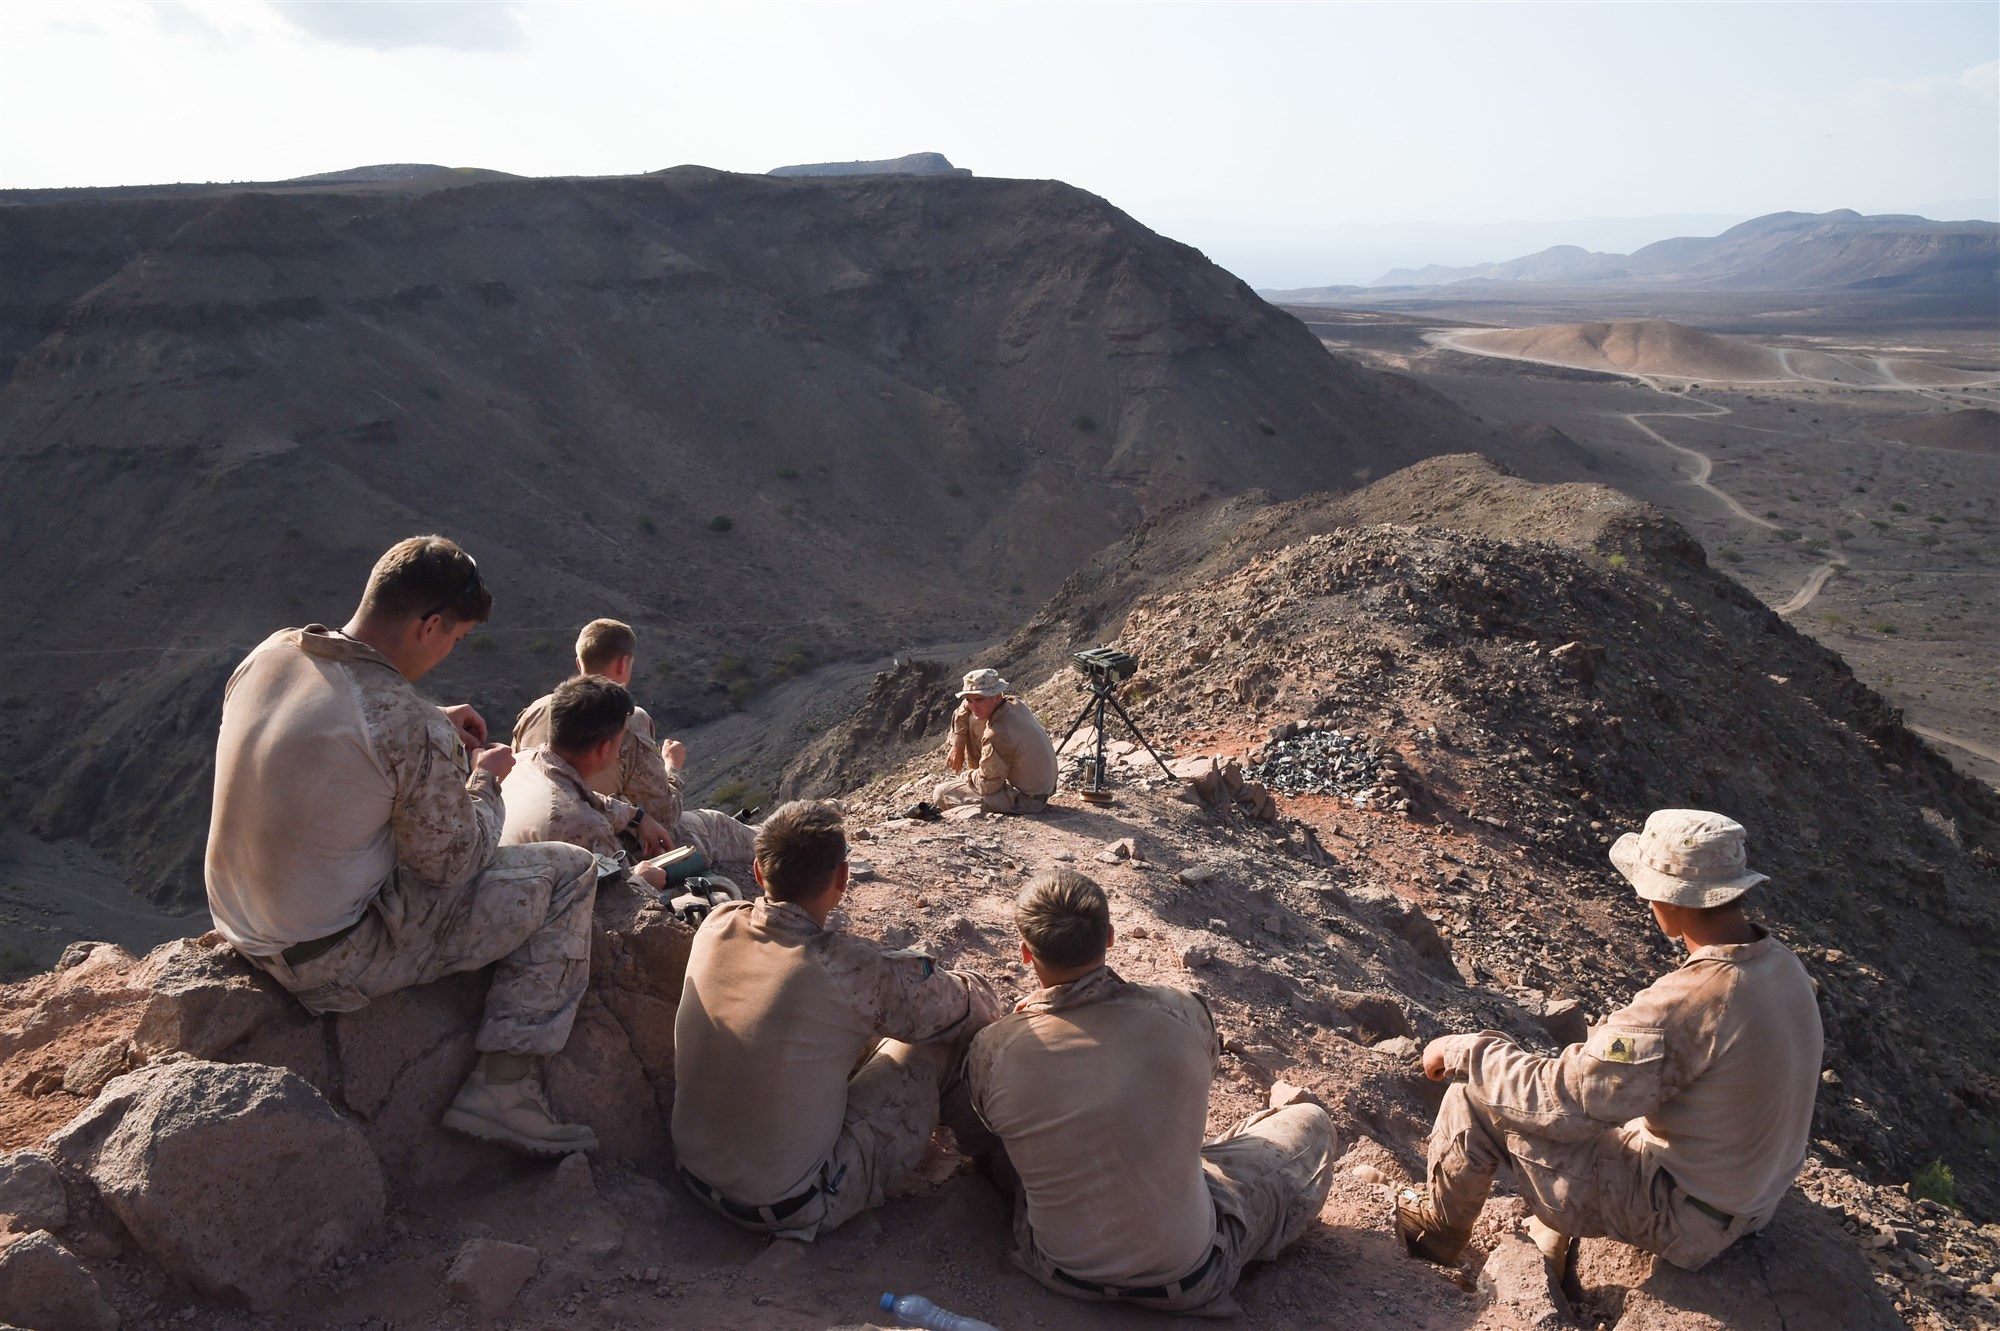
column 1845, row 468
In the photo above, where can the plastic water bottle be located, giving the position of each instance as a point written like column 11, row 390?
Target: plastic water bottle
column 916, row 1310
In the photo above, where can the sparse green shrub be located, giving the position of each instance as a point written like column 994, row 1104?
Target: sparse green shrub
column 791, row 665
column 1617, row 560
column 1084, row 423
column 1266, row 426
column 731, row 667
column 1729, row 554
column 742, row 793
column 788, row 474
column 740, row 691
column 721, row 522
column 1834, row 619
column 1889, row 629
column 14, row 963
column 540, row 645
column 1899, row 507
column 1935, row 1182
column 1878, row 524
column 1771, row 513
column 1930, row 539
column 1937, row 518
column 955, row 490
column 1016, row 589
column 648, row 526
column 1789, row 533
column 1842, row 534
column 482, row 642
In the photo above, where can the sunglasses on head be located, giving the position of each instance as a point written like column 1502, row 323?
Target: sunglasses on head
column 471, row 582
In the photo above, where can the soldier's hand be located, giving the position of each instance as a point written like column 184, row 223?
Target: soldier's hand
column 653, row 838
column 956, row 762
column 468, row 722
column 652, row 875
column 1434, row 1064
column 495, row 758
column 674, row 754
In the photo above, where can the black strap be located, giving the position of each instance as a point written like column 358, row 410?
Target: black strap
column 767, row 1215
column 1186, row 1282
column 1714, row 1213
column 298, row 954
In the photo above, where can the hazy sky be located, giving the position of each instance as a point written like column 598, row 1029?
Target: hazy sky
column 1227, row 125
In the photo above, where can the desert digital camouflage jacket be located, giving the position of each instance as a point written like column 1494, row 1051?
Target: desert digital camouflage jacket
column 1009, row 748
column 1716, row 1065
column 332, row 773
column 775, row 1014
column 641, row 775
column 547, row 800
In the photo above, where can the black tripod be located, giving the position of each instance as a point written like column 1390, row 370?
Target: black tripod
column 1103, row 693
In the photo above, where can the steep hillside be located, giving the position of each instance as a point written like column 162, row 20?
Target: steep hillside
column 769, row 421
column 1439, row 635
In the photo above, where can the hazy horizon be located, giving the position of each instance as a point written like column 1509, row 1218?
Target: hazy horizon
column 1286, row 141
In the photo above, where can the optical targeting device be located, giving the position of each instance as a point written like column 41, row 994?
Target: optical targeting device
column 1103, row 670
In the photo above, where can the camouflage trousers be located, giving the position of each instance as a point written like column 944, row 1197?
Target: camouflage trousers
column 893, row 1107
column 992, row 796
column 1268, row 1180
column 529, row 910
column 721, row 839
column 1604, row 1186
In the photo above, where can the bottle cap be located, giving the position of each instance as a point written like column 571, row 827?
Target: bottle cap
column 888, row 1303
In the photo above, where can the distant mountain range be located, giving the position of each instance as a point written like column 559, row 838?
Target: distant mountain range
column 1778, row 252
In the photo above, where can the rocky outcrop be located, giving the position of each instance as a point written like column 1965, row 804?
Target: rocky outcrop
column 239, row 1179
column 46, row 1287
column 910, row 164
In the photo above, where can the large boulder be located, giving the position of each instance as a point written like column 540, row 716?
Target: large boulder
column 45, row 1287
column 1800, row 1271
column 237, row 1178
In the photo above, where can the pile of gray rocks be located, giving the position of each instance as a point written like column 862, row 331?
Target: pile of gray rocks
column 1305, row 758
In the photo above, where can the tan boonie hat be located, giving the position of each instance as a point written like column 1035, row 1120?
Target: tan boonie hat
column 1686, row 857
column 983, row 684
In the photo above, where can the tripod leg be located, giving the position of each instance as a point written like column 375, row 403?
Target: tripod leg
column 1079, row 723
column 1133, row 726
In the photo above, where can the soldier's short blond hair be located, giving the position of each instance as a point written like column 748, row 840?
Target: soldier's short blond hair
column 424, row 576
column 602, row 643
column 799, row 848
column 1064, row 918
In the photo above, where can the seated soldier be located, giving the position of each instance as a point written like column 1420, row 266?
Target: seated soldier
column 354, row 846
column 1678, row 1125
column 809, row 1064
column 1008, row 761
column 1098, row 1092
column 644, row 774
column 547, row 795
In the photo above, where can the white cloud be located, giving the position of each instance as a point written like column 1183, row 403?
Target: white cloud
column 467, row 25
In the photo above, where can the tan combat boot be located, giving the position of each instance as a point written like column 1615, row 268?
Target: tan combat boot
column 1424, row 1232
column 502, row 1101
column 1559, row 1255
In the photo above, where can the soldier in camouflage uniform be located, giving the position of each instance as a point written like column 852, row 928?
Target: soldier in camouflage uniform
column 1680, row 1122
column 647, row 773
column 354, row 845
column 809, row 1064
column 547, row 795
column 1095, row 1092
column 1007, row 760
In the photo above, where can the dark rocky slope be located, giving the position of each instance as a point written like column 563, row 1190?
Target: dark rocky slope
column 768, row 421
